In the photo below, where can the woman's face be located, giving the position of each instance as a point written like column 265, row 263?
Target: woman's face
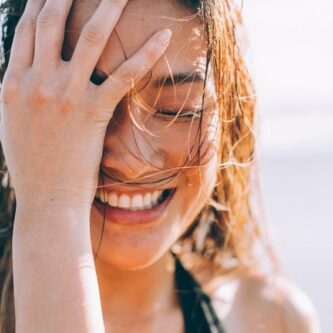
column 144, row 145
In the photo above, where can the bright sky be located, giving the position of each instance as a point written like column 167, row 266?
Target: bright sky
column 291, row 54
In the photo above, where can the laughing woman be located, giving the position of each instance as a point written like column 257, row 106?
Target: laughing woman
column 128, row 173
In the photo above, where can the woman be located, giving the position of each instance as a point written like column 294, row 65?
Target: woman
column 128, row 133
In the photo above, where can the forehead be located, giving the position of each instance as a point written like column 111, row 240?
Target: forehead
column 139, row 21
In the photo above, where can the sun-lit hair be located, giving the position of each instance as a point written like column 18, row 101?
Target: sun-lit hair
column 230, row 233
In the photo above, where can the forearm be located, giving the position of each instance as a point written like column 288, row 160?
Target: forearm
column 55, row 282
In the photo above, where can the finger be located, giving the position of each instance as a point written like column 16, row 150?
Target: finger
column 50, row 32
column 22, row 51
column 134, row 69
column 94, row 37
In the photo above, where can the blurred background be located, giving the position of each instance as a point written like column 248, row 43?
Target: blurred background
column 291, row 56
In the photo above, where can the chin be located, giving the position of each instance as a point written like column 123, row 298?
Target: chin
column 132, row 248
column 132, row 258
column 128, row 244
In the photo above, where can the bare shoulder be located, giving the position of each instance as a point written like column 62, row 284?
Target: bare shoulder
column 299, row 313
column 256, row 303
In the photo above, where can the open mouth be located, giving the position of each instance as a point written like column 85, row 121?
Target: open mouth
column 165, row 195
column 135, row 202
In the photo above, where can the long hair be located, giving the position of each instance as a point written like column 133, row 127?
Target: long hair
column 228, row 231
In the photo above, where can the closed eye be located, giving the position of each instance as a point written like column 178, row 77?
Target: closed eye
column 190, row 114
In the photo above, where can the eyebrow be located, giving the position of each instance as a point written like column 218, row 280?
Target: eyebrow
column 163, row 81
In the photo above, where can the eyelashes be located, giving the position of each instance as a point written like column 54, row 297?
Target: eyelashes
column 183, row 115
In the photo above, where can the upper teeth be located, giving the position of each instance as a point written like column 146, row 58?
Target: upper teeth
column 136, row 202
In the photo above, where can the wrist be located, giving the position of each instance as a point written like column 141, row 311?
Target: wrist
column 54, row 201
column 55, row 218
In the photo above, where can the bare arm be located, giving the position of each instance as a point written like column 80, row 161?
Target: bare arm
column 53, row 124
column 55, row 282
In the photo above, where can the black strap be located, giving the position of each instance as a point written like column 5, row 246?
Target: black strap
column 198, row 311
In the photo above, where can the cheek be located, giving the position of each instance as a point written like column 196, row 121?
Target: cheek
column 186, row 143
column 135, row 247
column 198, row 189
column 202, row 177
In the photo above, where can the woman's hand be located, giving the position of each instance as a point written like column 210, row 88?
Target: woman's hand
column 53, row 119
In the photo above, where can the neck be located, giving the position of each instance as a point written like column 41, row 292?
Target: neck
column 136, row 295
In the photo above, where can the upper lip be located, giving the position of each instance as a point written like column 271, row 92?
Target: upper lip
column 116, row 188
column 115, row 176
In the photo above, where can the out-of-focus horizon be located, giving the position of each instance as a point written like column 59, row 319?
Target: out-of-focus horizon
column 291, row 54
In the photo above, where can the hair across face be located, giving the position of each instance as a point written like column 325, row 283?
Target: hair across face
column 163, row 134
column 215, row 152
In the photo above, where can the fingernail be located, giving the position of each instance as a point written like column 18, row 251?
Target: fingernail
column 164, row 36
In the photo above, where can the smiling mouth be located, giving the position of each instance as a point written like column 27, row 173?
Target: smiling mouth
column 135, row 201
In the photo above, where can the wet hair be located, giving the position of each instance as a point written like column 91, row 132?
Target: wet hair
column 227, row 232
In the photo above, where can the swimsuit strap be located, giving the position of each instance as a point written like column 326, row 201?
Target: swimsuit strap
column 198, row 311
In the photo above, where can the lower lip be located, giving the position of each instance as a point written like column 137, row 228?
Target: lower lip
column 129, row 217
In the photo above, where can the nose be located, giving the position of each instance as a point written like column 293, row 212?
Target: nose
column 130, row 152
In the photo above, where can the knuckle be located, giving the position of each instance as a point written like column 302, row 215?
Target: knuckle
column 150, row 54
column 38, row 96
column 49, row 17
column 93, row 34
column 26, row 24
column 125, row 76
column 10, row 86
column 118, row 2
column 68, row 102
